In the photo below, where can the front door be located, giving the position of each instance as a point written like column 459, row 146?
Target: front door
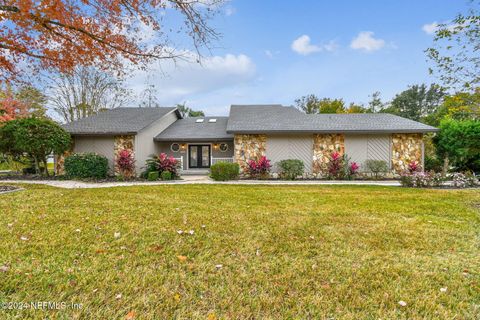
column 199, row 156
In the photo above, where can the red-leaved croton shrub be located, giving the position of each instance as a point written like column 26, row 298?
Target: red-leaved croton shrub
column 126, row 163
column 335, row 167
column 413, row 166
column 258, row 168
column 161, row 163
column 353, row 168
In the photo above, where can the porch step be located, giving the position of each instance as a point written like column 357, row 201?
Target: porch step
column 195, row 172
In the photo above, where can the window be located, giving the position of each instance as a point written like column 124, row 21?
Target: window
column 223, row 147
column 199, row 120
column 212, row 120
column 175, row 147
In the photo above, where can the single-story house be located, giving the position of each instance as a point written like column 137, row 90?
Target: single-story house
column 249, row 132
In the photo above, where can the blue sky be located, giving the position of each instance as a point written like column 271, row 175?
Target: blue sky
column 276, row 51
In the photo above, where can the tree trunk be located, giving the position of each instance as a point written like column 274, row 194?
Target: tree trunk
column 37, row 166
column 445, row 166
column 45, row 161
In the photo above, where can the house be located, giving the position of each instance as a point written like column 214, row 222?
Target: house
column 250, row 131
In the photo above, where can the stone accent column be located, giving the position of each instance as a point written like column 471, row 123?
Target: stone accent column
column 249, row 147
column 323, row 146
column 121, row 143
column 406, row 147
column 60, row 159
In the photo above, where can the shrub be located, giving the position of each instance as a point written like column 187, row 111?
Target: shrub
column 126, row 163
column 166, row 175
column 422, row 179
column 161, row 163
column 413, row 166
column 335, row 166
column 223, row 171
column 464, row 180
column 433, row 164
column 377, row 167
column 153, row 176
column 291, row 168
column 259, row 169
column 353, row 168
column 86, row 166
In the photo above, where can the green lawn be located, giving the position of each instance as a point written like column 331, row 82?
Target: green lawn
column 286, row 252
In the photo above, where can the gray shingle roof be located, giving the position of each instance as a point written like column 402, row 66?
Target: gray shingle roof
column 276, row 118
column 189, row 130
column 117, row 121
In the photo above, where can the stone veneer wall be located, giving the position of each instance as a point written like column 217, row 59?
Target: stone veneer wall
column 121, row 143
column 406, row 147
column 60, row 162
column 249, row 147
column 323, row 146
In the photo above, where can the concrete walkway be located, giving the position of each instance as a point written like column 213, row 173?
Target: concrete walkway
column 70, row 184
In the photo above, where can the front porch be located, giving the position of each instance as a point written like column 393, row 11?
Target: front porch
column 196, row 157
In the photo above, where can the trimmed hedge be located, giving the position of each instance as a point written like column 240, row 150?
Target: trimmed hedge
column 291, row 168
column 86, row 166
column 224, row 171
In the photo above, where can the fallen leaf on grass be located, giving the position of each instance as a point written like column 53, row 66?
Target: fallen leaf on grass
column 212, row 316
column 443, row 289
column 130, row 315
column 116, row 235
column 118, row 296
column 23, row 238
column 177, row 297
column 4, row 268
column 218, row 266
column 182, row 258
column 402, row 303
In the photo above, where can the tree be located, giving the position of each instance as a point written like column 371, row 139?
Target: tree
column 458, row 143
column 10, row 107
column 417, row 102
column 308, row 104
column 36, row 137
column 375, row 104
column 356, row 108
column 327, row 105
column 460, row 106
column 188, row 112
column 85, row 92
column 34, row 100
column 59, row 35
column 456, row 50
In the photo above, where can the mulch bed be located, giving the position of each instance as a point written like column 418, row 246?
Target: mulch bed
column 7, row 188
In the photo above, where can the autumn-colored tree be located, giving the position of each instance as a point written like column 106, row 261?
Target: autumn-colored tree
column 10, row 107
column 61, row 34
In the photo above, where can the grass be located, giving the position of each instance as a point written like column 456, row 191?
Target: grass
column 286, row 252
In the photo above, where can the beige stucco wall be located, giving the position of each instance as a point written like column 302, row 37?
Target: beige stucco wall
column 103, row 145
column 144, row 144
column 283, row 147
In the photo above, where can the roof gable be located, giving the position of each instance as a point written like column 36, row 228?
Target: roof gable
column 118, row 121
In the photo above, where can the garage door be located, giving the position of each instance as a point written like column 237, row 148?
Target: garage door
column 284, row 147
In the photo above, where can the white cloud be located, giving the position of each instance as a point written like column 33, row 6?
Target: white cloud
column 430, row 28
column 175, row 82
column 302, row 45
column 366, row 42
column 269, row 54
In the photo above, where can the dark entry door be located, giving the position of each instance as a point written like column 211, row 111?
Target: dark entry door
column 199, row 156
